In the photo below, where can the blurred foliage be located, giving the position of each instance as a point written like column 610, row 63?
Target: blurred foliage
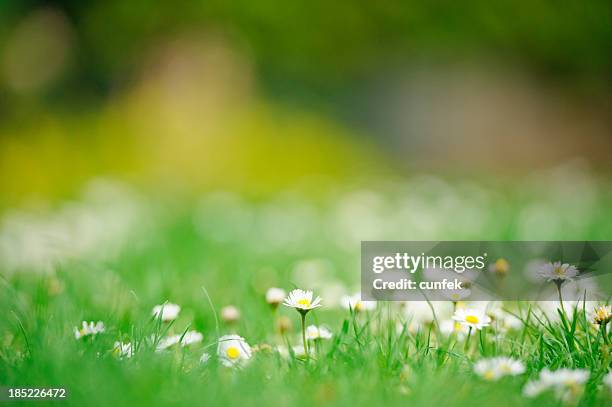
column 307, row 47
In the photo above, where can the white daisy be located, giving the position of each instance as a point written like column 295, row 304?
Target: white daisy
column 558, row 271
column 274, row 296
column 602, row 315
column 355, row 303
column 302, row 300
column 168, row 311
column 495, row 368
column 230, row 314
column 317, row 332
column 473, row 318
column 123, row 350
column 89, row 328
column 233, row 350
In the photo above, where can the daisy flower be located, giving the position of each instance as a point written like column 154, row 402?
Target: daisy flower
column 354, row 302
column 496, row 368
column 167, row 311
column 558, row 271
column 302, row 301
column 275, row 296
column 314, row 332
column 233, row 350
column 602, row 315
column 500, row 268
column 472, row 318
column 123, row 350
column 230, row 314
column 89, row 329
column 567, row 384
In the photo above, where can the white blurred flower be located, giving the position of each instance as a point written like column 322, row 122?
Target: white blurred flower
column 495, row 368
column 500, row 267
column 449, row 327
column 167, row 342
column 473, row 318
column 233, row 350
column 298, row 351
column 191, row 337
column 205, row 357
column 505, row 321
column 607, row 380
column 123, row 350
column 302, row 300
column 558, row 271
column 89, row 328
column 275, row 296
column 168, row 311
column 230, row 314
column 567, row 384
column 602, row 315
column 355, row 303
column 317, row 332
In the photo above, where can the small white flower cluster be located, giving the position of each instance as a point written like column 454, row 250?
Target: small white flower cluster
column 567, row 384
column 89, row 329
column 495, row 368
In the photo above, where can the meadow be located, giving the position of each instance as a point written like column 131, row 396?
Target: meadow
column 113, row 253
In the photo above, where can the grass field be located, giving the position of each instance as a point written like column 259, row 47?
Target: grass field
column 112, row 254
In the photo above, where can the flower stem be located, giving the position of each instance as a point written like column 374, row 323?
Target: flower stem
column 558, row 284
column 467, row 341
column 304, row 334
column 604, row 333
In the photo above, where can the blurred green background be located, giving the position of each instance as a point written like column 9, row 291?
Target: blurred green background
column 149, row 149
column 258, row 96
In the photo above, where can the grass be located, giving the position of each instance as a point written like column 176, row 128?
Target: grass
column 170, row 257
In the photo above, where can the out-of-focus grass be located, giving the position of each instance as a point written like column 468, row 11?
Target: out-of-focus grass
column 236, row 248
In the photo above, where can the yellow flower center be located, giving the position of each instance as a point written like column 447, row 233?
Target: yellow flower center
column 472, row 319
column 559, row 271
column 305, row 302
column 233, row 352
column 489, row 375
column 358, row 306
